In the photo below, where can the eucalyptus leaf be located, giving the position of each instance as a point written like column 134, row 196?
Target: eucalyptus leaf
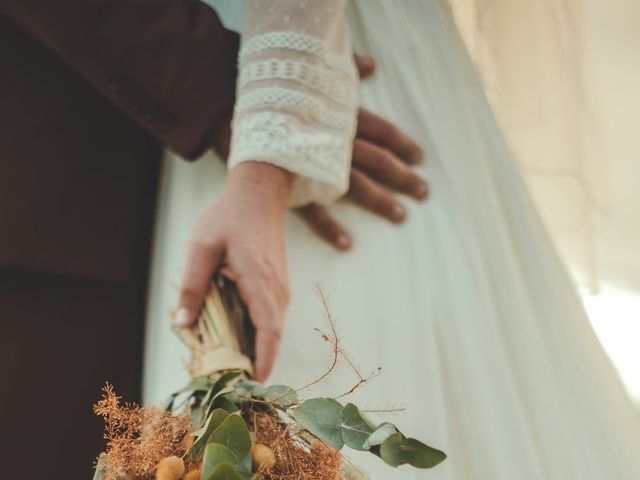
column 251, row 388
column 224, row 403
column 221, row 383
column 233, row 434
column 216, row 455
column 199, row 384
column 281, row 395
column 398, row 450
column 322, row 417
column 244, row 466
column 224, row 472
column 384, row 431
column 355, row 428
column 214, row 420
column 213, row 403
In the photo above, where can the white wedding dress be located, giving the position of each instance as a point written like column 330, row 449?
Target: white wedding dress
column 466, row 307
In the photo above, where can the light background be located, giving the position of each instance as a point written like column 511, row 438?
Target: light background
column 614, row 34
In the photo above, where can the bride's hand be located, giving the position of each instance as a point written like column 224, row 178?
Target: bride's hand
column 242, row 235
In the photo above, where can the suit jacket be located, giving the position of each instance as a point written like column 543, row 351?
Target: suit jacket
column 90, row 91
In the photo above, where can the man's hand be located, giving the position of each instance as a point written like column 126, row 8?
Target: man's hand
column 381, row 164
column 242, row 235
column 382, row 161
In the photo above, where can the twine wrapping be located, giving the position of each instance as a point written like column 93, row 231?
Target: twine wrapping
column 222, row 338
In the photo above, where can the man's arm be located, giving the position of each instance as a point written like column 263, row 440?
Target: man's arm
column 152, row 58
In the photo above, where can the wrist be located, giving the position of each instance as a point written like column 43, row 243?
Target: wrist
column 266, row 181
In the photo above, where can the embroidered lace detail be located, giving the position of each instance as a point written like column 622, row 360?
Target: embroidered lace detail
column 308, row 107
column 300, row 42
column 308, row 75
column 297, row 95
column 288, row 143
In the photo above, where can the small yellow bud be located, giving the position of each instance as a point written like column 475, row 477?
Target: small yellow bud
column 262, row 458
column 170, row 468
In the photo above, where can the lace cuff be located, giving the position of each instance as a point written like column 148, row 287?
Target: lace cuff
column 296, row 104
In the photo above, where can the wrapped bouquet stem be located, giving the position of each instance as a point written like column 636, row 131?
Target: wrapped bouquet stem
column 225, row 426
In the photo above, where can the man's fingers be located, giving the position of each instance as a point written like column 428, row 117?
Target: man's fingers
column 368, row 194
column 366, row 66
column 202, row 262
column 318, row 218
column 384, row 133
column 388, row 170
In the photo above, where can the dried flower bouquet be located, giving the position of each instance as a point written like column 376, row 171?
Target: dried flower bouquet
column 225, row 426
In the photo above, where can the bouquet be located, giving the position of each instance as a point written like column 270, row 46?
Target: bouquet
column 225, row 426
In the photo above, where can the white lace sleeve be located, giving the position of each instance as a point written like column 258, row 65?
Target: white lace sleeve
column 297, row 87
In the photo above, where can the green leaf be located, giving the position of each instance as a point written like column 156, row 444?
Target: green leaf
column 219, row 384
column 214, row 421
column 199, row 384
column 322, row 417
column 384, row 431
column 398, row 450
column 355, row 428
column 250, row 388
column 101, row 470
column 281, row 395
column 244, row 466
column 233, row 434
column 214, row 403
column 224, row 472
column 216, row 455
column 225, row 403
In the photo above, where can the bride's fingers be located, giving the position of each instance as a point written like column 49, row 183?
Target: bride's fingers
column 202, row 261
column 267, row 346
column 371, row 196
column 385, row 134
column 318, row 218
column 366, row 65
column 388, row 170
column 258, row 291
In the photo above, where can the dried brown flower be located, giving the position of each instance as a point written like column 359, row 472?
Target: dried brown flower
column 294, row 458
column 138, row 437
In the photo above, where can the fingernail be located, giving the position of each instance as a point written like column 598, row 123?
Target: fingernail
column 182, row 317
column 398, row 212
column 343, row 241
column 420, row 191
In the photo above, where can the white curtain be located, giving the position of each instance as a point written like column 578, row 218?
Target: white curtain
column 533, row 57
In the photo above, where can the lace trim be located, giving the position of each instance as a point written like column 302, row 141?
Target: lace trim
column 300, row 42
column 311, row 77
column 310, row 154
column 306, row 106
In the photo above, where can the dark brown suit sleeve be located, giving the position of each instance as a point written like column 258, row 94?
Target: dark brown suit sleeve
column 169, row 64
